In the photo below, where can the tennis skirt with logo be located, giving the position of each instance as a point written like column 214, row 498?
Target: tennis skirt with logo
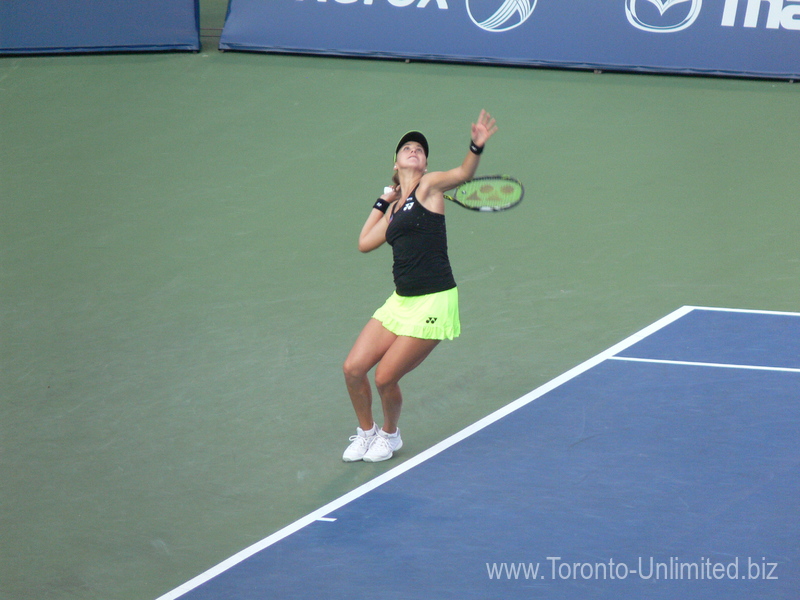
column 429, row 317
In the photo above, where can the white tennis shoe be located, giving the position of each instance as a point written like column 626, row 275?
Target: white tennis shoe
column 383, row 446
column 359, row 444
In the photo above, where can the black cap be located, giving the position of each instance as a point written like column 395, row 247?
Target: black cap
column 413, row 136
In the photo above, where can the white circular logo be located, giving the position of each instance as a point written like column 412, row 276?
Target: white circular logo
column 676, row 20
column 499, row 15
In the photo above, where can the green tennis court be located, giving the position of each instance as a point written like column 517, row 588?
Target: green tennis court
column 180, row 282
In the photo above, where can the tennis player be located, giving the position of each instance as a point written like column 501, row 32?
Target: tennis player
column 423, row 310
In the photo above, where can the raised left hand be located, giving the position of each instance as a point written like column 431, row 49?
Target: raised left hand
column 483, row 129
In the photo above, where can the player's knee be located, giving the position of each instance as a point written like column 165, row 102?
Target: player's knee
column 385, row 379
column 353, row 370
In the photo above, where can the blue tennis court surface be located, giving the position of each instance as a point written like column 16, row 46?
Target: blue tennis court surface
column 666, row 467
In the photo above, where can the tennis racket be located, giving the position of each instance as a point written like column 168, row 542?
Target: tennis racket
column 488, row 194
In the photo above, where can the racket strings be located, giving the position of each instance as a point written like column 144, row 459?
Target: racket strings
column 489, row 193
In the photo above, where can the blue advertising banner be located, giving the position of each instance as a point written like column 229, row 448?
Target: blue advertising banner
column 754, row 38
column 56, row 26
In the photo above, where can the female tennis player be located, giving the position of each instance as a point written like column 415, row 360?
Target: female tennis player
column 423, row 310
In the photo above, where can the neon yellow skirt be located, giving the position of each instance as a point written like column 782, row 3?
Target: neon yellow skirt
column 429, row 317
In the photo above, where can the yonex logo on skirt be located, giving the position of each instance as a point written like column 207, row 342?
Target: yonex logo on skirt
column 429, row 317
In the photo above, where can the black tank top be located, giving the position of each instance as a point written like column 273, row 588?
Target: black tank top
column 418, row 238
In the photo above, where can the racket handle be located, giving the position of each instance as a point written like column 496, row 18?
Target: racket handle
column 388, row 190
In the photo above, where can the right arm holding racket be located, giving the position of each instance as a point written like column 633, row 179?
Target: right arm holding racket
column 485, row 194
column 433, row 185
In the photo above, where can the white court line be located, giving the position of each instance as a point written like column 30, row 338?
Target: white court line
column 321, row 513
column 705, row 364
column 434, row 450
column 746, row 310
column 720, row 365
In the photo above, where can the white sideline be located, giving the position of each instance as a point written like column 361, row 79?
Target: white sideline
column 320, row 513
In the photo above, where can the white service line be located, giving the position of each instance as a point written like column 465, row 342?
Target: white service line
column 704, row 364
column 321, row 513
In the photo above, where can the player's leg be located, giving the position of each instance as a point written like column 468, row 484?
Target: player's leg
column 371, row 345
column 403, row 356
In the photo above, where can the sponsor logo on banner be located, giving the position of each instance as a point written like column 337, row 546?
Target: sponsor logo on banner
column 499, row 15
column 662, row 16
column 780, row 14
column 490, row 15
column 398, row 3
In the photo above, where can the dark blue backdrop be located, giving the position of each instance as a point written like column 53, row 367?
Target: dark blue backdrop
column 757, row 38
column 54, row 26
